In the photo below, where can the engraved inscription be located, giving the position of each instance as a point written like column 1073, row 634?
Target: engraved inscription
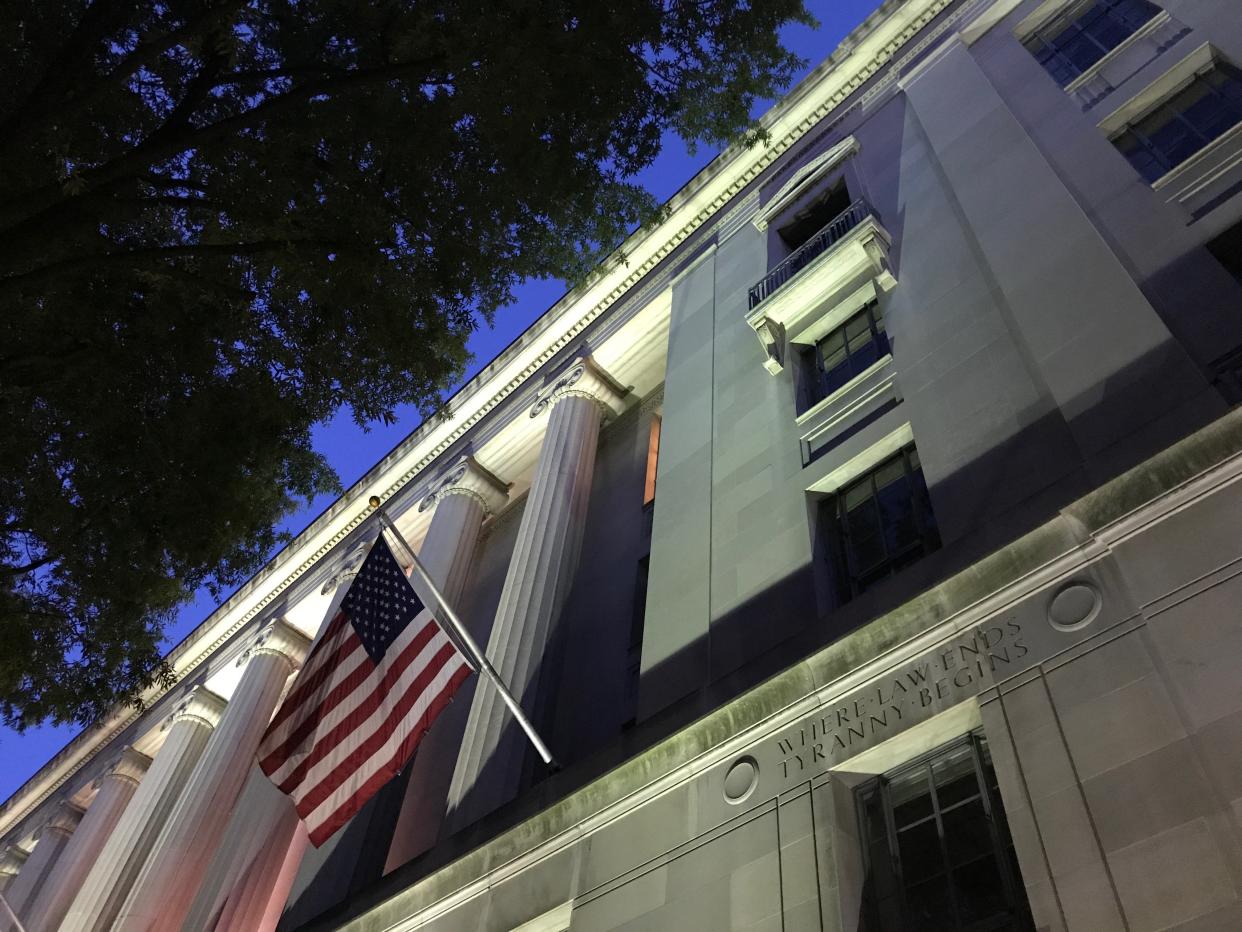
column 958, row 670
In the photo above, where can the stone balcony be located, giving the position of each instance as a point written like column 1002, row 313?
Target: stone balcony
column 796, row 301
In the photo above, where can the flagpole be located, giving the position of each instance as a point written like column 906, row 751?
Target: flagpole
column 17, row 923
column 454, row 628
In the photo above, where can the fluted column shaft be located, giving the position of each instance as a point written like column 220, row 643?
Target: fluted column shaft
column 99, row 900
column 113, row 793
column 447, row 552
column 177, row 863
column 258, row 860
column 540, row 574
column 32, row 879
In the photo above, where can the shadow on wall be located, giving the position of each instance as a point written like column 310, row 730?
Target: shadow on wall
column 1023, row 486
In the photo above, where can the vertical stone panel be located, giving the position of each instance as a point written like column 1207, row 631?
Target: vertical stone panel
column 674, row 655
column 1075, row 860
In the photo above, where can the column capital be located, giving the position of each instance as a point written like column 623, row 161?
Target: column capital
column 199, row 705
column 468, row 477
column 12, row 857
column 583, row 379
column 348, row 568
column 63, row 820
column 129, row 766
column 280, row 639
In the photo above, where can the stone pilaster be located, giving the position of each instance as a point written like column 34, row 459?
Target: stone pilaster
column 50, row 842
column 97, row 903
column 466, row 497
column 178, row 860
column 540, row 574
column 112, row 793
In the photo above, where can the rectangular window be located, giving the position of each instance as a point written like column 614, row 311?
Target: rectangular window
column 1084, row 33
column 849, row 351
column 653, row 458
column 1227, row 250
column 634, row 655
column 1208, row 107
column 880, row 523
column 800, row 225
column 937, row 849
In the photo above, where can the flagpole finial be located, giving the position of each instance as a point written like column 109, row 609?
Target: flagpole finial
column 375, row 501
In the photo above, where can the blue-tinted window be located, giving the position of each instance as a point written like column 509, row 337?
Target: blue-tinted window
column 849, row 350
column 1085, row 33
column 937, row 847
column 880, row 523
column 1204, row 110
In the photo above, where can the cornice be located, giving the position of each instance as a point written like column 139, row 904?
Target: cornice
column 863, row 53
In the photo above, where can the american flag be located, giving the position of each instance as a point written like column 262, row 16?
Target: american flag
column 370, row 689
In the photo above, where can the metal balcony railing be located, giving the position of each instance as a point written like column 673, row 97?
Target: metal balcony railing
column 809, row 251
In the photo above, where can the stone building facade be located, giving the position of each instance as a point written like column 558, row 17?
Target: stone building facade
column 867, row 546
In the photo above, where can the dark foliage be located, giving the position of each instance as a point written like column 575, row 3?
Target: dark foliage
column 221, row 222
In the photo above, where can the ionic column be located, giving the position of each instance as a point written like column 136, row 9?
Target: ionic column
column 540, row 574
column 264, row 826
column 112, row 793
column 466, row 497
column 177, row 863
column 259, row 858
column 50, row 842
column 98, row 902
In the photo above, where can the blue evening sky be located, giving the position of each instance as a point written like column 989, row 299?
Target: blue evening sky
column 352, row 450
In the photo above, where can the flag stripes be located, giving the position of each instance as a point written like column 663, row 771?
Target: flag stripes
column 369, row 691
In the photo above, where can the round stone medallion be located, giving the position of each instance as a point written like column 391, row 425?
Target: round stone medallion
column 1074, row 606
column 741, row 780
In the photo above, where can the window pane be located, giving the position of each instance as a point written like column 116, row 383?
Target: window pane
column 1143, row 160
column 857, row 331
column 897, row 515
column 1210, row 115
column 1228, row 81
column 955, row 778
column 858, row 493
column 893, row 470
column 967, row 833
column 833, row 345
column 980, row 892
column 928, row 905
column 919, row 849
column 865, row 355
column 910, row 797
column 837, row 376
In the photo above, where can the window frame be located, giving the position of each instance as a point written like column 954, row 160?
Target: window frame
column 1048, row 35
column 821, row 389
column 851, row 584
column 1158, row 155
column 1002, row 846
